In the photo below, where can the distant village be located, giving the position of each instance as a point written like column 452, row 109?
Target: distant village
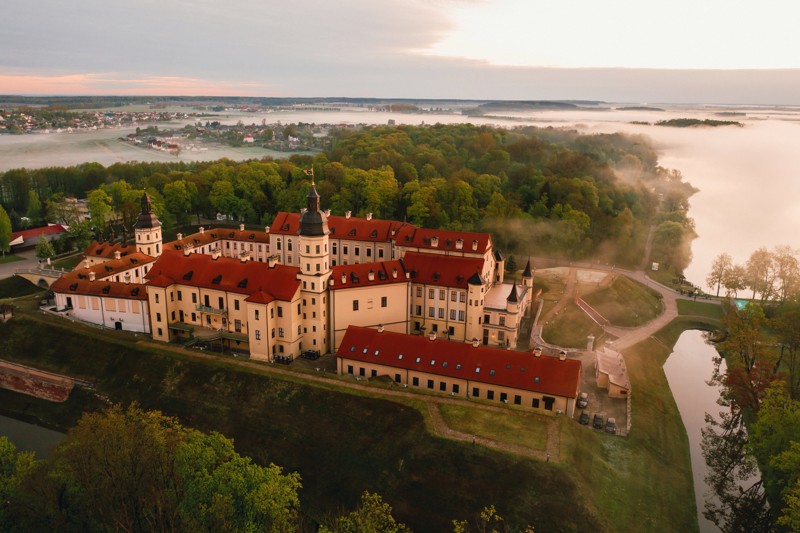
column 49, row 120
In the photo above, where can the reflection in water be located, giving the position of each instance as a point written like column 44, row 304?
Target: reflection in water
column 29, row 437
column 691, row 371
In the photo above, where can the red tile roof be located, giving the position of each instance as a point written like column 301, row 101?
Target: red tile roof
column 114, row 266
column 219, row 234
column 353, row 228
column 35, row 233
column 413, row 237
column 224, row 274
column 507, row 368
column 358, row 275
column 107, row 289
column 443, row 270
column 106, row 250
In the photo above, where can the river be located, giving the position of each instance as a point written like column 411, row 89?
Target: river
column 29, row 437
column 688, row 369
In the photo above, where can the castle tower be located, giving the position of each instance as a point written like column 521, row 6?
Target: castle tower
column 148, row 230
column 527, row 276
column 314, row 272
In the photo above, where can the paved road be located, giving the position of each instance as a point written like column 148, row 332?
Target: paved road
column 7, row 269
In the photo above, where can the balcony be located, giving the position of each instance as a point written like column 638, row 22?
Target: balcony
column 211, row 310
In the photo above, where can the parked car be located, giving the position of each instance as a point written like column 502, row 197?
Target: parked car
column 583, row 400
column 611, row 425
column 584, row 418
column 597, row 423
column 310, row 354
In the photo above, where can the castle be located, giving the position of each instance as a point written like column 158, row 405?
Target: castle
column 298, row 285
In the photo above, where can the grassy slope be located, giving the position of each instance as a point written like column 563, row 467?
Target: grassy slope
column 644, row 482
column 16, row 286
column 625, row 302
column 710, row 310
column 340, row 443
column 520, row 428
column 571, row 327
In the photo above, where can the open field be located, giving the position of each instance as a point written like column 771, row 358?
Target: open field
column 625, row 302
column 523, row 429
column 570, row 327
column 10, row 258
column 710, row 310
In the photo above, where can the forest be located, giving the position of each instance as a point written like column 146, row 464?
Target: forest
column 542, row 191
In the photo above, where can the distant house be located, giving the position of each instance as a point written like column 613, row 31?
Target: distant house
column 30, row 237
column 248, row 139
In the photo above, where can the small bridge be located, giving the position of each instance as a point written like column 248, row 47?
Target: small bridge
column 43, row 276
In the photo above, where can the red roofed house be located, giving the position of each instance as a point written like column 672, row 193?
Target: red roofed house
column 461, row 369
column 30, row 237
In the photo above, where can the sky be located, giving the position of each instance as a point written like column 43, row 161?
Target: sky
column 680, row 51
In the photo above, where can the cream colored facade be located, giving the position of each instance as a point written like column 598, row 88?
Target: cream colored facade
column 369, row 307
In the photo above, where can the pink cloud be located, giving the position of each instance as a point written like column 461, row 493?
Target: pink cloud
column 82, row 84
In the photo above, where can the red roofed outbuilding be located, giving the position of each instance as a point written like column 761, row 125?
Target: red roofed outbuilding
column 461, row 369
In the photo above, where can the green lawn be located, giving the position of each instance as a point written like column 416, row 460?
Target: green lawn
column 703, row 309
column 522, row 429
column 625, row 302
column 571, row 327
column 16, row 286
column 67, row 263
column 10, row 258
column 642, row 482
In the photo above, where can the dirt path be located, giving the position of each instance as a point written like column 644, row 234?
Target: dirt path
column 567, row 296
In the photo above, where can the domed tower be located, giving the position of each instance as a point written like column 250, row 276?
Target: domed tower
column 314, row 272
column 148, row 230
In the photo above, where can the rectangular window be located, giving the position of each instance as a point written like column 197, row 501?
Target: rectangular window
column 237, row 325
column 503, row 397
column 384, row 301
column 452, row 314
column 476, row 392
column 441, row 312
column 194, row 298
column 158, row 317
column 280, row 332
column 485, row 319
column 355, row 305
column 451, row 331
column 419, row 292
column 358, row 251
column 517, row 399
column 350, row 369
column 490, row 395
column 443, row 386
column 502, row 321
column 430, row 293
column 156, row 297
column 194, row 317
column 256, row 314
column 171, row 295
column 173, row 316
column 373, row 373
column 258, row 335
column 419, row 310
column 430, row 383
column 221, row 302
column 180, row 296
column 431, row 312
column 397, row 378
column 461, row 316
column 441, row 294
column 235, row 304
column 456, row 388
column 452, row 297
column 280, row 311
column 160, row 333
column 298, row 308
column 380, row 253
column 344, row 249
column 501, row 336
column 369, row 252
column 317, row 248
column 415, row 382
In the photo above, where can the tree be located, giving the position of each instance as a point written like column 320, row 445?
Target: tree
column 719, row 269
column 14, row 467
column 178, row 199
column 488, row 521
column 5, row 232
column 99, row 203
column 734, row 280
column 372, row 516
column 34, row 208
column 135, row 470
column 44, row 248
column 786, row 324
column 760, row 273
column 787, row 271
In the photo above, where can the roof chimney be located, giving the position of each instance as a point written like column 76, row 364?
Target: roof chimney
column 475, row 342
column 179, row 236
column 380, row 328
column 537, row 352
column 347, row 214
column 432, row 335
column 91, row 275
column 394, row 273
column 241, row 227
column 127, row 277
column 369, row 216
column 459, row 243
column 202, row 229
column 474, row 245
column 272, row 261
column 187, row 248
column 435, row 241
column 266, row 229
column 562, row 355
column 215, row 253
column 327, row 212
column 244, row 257
column 117, row 254
column 344, row 278
column 371, row 275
